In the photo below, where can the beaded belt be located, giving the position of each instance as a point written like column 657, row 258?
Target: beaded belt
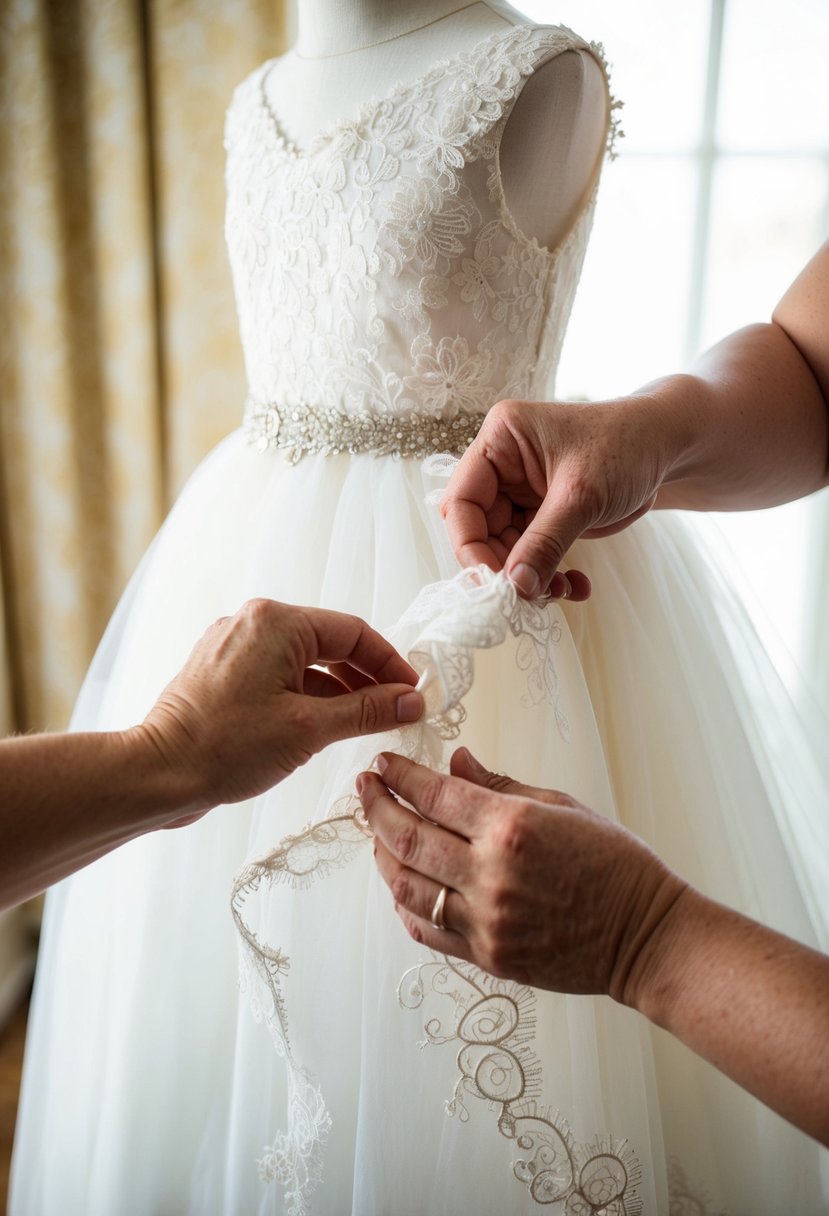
column 301, row 430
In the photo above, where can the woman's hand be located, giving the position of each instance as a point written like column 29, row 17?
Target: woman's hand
column 543, row 891
column 540, row 889
column 253, row 703
column 541, row 474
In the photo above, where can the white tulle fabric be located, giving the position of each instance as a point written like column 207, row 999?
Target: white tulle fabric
column 404, row 1082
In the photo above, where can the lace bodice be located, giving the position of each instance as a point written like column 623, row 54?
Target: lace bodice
column 379, row 270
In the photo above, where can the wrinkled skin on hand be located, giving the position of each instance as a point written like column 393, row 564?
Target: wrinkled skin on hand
column 541, row 474
column 266, row 689
column 541, row 889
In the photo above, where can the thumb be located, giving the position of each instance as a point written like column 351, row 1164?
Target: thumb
column 538, row 552
column 369, row 711
column 464, row 764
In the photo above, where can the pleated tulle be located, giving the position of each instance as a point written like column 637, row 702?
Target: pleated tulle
column 151, row 1090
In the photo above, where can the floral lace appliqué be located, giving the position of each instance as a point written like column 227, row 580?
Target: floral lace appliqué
column 349, row 256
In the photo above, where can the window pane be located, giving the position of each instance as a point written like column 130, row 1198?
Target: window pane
column 657, row 55
column 767, row 221
column 629, row 319
column 775, row 75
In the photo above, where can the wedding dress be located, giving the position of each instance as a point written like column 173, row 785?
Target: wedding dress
column 386, row 298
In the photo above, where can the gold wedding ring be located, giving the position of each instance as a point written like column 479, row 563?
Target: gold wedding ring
column 437, row 911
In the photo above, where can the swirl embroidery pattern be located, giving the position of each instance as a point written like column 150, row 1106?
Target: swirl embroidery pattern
column 475, row 610
column 493, row 1022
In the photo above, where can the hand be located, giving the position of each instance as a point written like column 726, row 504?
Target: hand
column 541, row 474
column 249, row 707
column 540, row 889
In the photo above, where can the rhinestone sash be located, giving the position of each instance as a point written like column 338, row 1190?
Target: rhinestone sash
column 302, row 430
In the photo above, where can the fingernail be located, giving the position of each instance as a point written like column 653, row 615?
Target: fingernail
column 525, row 579
column 409, row 707
column 381, row 763
column 474, row 764
column 560, row 587
column 360, row 784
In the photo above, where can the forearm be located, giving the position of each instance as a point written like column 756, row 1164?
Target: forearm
column 749, row 426
column 68, row 799
column 751, row 1001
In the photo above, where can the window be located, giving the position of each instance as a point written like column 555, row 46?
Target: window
column 720, row 195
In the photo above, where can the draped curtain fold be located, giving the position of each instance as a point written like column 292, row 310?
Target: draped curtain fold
column 119, row 357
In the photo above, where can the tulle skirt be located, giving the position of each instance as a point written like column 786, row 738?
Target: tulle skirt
column 377, row 1078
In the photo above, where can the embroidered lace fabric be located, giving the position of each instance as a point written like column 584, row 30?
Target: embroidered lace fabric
column 384, row 267
column 381, row 280
column 379, row 272
column 474, row 611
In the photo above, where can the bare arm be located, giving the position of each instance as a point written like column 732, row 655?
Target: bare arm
column 757, row 408
column 616, row 920
column 261, row 693
column 68, row 799
column 749, row 427
column 751, row 1001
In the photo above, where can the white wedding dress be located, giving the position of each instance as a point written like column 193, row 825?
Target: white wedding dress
column 386, row 299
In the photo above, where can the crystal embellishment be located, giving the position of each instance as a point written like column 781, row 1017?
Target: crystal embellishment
column 302, row 430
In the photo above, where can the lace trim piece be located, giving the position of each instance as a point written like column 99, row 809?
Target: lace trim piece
column 475, row 610
column 294, row 1160
column 302, row 430
column 493, row 1024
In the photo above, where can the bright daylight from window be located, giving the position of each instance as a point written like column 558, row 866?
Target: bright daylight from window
column 719, row 196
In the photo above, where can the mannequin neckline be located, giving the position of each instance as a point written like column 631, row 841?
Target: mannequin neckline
column 355, row 50
column 399, row 89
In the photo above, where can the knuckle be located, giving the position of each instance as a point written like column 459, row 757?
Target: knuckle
column 499, row 783
column 565, row 800
column 506, row 411
column 258, row 608
column 407, row 843
column 368, row 714
column 548, row 548
column 431, row 795
column 401, row 889
column 584, row 495
column 512, row 836
column 257, row 614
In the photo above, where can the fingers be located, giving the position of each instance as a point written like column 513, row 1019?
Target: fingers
column 344, row 638
column 446, row 801
column 463, row 764
column 573, row 586
column 538, row 553
column 414, row 901
column 470, row 496
column 369, row 711
column 418, row 847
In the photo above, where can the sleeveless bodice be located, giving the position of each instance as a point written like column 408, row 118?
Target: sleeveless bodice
column 378, row 271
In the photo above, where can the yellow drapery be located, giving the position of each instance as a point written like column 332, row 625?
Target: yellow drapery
column 119, row 357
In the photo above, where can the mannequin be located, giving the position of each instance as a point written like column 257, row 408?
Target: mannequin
column 349, row 51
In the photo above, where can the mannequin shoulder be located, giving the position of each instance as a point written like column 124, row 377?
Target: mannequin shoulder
column 553, row 143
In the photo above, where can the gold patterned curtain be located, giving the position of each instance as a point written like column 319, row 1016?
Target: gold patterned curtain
column 119, row 357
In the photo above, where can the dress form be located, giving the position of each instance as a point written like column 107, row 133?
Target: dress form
column 349, row 51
